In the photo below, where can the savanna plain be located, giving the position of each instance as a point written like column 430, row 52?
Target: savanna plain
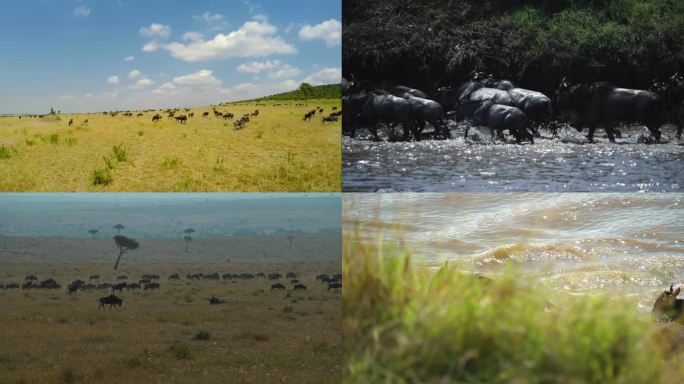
column 172, row 334
column 276, row 150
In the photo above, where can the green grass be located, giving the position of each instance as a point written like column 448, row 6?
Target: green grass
column 5, row 152
column 406, row 324
column 101, row 176
column 120, row 152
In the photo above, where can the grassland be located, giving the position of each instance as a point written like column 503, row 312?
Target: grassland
column 277, row 151
column 172, row 335
column 408, row 324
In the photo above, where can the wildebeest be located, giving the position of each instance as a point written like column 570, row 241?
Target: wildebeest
column 71, row 122
column 215, row 300
column 604, row 104
column 450, row 98
column 174, row 276
column 151, row 286
column 299, row 287
column 536, row 105
column 335, row 286
column 309, row 115
column 112, row 300
column 205, row 114
column 322, row 277
column 49, row 284
column 182, row 119
column 274, row 276
column 389, row 109
column 156, row 118
column 290, row 275
column 328, row 119
column 118, row 287
column 276, row 287
column 30, row 278
column 671, row 93
column 12, row 286
column 497, row 117
column 668, row 307
column 401, row 90
column 85, row 122
column 133, row 286
column 430, row 111
column 255, row 113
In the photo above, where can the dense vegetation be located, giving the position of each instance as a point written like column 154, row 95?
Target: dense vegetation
column 534, row 42
column 328, row 91
column 406, row 324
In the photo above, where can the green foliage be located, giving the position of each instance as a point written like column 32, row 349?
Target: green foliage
column 54, row 138
column 171, row 162
column 330, row 91
column 101, row 176
column 180, row 351
column 407, row 324
column 120, row 152
column 5, row 152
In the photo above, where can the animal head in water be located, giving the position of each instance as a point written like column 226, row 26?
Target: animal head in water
column 666, row 304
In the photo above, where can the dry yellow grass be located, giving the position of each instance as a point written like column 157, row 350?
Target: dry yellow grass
column 256, row 336
column 277, row 151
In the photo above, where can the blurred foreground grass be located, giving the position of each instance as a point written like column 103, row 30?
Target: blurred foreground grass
column 409, row 324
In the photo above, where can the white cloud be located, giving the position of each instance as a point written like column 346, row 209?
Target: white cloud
column 329, row 31
column 150, row 47
column 167, row 86
column 113, row 80
column 204, row 78
column 142, row 83
column 325, row 76
column 256, row 66
column 192, row 36
column 129, row 58
column 252, row 39
column 215, row 21
column 284, row 73
column 156, row 30
column 133, row 74
column 81, row 11
column 251, row 90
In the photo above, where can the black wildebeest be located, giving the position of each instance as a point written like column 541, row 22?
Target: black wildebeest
column 299, row 287
column 133, row 286
column 334, row 286
column 668, row 307
column 85, row 122
column 536, row 105
column 328, row 119
column 390, row 109
column 401, row 90
column 205, row 114
column 290, row 275
column 71, row 122
column 497, row 117
column 450, row 98
column 182, row 119
column 112, row 300
column 215, row 300
column 156, row 118
column 426, row 110
column 151, row 286
column 277, row 287
column 604, row 104
column 118, row 287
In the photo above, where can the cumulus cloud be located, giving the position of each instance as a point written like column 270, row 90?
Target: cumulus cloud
column 142, row 83
column 150, row 47
column 133, row 74
column 167, row 86
column 325, row 76
column 329, row 31
column 257, row 67
column 192, row 36
column 156, row 30
column 113, row 80
column 285, row 72
column 214, row 21
column 129, row 58
column 256, row 38
column 204, row 78
column 81, row 11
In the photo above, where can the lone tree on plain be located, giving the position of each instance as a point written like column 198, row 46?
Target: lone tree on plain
column 306, row 89
column 289, row 239
column 188, row 238
column 125, row 245
column 119, row 227
column 93, row 232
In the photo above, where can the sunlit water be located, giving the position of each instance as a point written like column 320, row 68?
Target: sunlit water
column 566, row 163
column 629, row 244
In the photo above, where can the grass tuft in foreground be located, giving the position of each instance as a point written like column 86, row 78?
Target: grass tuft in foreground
column 407, row 324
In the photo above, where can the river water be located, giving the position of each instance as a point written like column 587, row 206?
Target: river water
column 630, row 244
column 566, row 163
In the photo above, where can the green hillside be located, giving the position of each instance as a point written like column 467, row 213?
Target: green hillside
column 328, row 91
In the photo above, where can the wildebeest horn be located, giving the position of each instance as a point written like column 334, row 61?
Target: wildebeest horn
column 671, row 285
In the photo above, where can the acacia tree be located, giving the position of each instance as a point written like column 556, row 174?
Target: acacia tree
column 306, row 89
column 188, row 238
column 93, row 232
column 119, row 227
column 125, row 245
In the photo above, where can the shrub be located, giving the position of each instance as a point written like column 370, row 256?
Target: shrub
column 120, row 152
column 101, row 176
column 5, row 152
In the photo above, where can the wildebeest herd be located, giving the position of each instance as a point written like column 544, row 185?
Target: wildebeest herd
column 150, row 282
column 499, row 105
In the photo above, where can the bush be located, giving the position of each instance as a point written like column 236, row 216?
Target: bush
column 101, row 176
column 120, row 152
column 5, row 152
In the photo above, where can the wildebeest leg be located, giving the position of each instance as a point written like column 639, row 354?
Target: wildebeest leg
column 466, row 132
column 609, row 132
column 655, row 132
column 679, row 130
column 590, row 136
column 412, row 128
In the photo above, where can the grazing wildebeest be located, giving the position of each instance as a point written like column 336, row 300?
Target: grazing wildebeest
column 290, row 275
column 604, row 104
column 49, row 284
column 668, row 307
column 299, row 287
column 322, row 277
column 255, row 113
column 308, row 115
column 334, row 286
column 133, row 286
column 151, row 286
column 261, row 275
column 205, row 114
column 328, row 119
column 71, row 122
column 389, row 109
column 215, row 300
column 182, row 119
column 497, row 117
column 156, row 118
column 276, row 287
column 112, row 300
column 85, row 122
column 430, row 111
column 274, row 276
column 118, row 287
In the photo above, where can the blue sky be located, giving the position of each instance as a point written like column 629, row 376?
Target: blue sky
column 95, row 55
